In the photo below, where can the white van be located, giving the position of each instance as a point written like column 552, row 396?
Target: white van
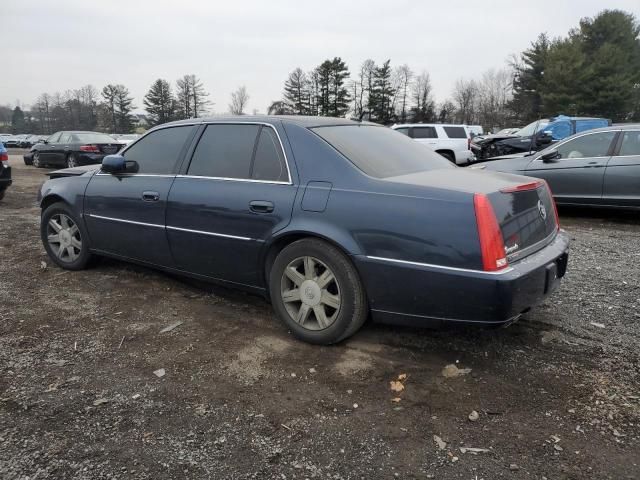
column 451, row 141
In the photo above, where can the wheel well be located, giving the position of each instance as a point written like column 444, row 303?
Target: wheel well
column 276, row 247
column 448, row 152
column 50, row 200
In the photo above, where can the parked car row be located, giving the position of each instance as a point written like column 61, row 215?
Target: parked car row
column 535, row 136
column 20, row 141
column 334, row 221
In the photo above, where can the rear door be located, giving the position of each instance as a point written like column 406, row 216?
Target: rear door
column 427, row 135
column 125, row 213
column 235, row 193
column 622, row 175
column 577, row 174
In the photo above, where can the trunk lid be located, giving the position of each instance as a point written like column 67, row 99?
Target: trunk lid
column 523, row 206
column 109, row 148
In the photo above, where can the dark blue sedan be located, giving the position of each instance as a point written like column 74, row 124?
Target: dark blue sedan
column 333, row 220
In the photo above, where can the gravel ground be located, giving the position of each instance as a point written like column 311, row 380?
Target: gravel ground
column 555, row 395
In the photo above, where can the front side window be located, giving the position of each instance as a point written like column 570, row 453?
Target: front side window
column 630, row 144
column 54, row 138
column 224, row 151
column 379, row 152
column 65, row 138
column 269, row 163
column 424, row 132
column 455, row 132
column 587, row 146
column 159, row 151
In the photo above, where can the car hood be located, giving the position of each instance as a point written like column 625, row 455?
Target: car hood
column 461, row 180
column 491, row 138
column 73, row 172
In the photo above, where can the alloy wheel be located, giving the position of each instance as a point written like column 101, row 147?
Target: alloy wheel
column 310, row 292
column 71, row 161
column 64, row 238
column 36, row 160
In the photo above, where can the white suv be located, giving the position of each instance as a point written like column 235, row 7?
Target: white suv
column 451, row 141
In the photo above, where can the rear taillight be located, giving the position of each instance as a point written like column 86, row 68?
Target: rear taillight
column 553, row 201
column 89, row 148
column 4, row 157
column 523, row 187
column 494, row 256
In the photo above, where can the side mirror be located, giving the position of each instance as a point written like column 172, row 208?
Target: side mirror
column 115, row 164
column 550, row 157
column 545, row 138
column 45, row 141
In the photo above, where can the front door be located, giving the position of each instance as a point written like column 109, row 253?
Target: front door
column 236, row 192
column 46, row 150
column 577, row 173
column 125, row 213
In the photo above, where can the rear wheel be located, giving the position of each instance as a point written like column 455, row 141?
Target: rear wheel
column 36, row 160
column 316, row 292
column 448, row 156
column 72, row 161
column 64, row 237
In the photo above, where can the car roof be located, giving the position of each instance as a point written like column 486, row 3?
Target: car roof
column 620, row 126
column 404, row 125
column 302, row 120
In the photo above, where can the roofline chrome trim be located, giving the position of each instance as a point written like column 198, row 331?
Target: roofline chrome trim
column 202, row 232
column 122, row 220
column 249, row 180
column 162, row 175
column 442, row 267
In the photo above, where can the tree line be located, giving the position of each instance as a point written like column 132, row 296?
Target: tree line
column 594, row 70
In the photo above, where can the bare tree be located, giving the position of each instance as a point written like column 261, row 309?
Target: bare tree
column 465, row 95
column 239, row 100
column 423, row 109
column 192, row 97
column 402, row 81
column 361, row 88
column 495, row 90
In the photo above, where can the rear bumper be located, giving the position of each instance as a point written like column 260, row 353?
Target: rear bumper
column 420, row 294
column 90, row 158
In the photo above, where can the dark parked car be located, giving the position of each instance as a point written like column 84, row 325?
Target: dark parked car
column 72, row 149
column 14, row 141
column 333, row 220
column 5, row 171
column 598, row 168
column 535, row 136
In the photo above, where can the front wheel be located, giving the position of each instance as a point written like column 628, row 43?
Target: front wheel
column 316, row 291
column 64, row 237
column 72, row 161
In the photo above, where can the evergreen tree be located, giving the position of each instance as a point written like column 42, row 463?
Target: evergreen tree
column 528, row 79
column 296, row 92
column 160, row 103
column 124, row 104
column 109, row 95
column 17, row 120
column 381, row 95
column 332, row 95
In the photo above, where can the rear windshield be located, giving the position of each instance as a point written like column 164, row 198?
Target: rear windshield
column 380, row 151
column 92, row 138
column 455, row 132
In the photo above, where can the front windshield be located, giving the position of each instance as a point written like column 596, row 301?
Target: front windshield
column 380, row 151
column 532, row 128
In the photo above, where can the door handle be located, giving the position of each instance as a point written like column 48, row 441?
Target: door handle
column 150, row 196
column 261, row 206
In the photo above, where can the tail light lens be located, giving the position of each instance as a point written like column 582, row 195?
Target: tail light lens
column 553, row 201
column 89, row 148
column 4, row 157
column 494, row 256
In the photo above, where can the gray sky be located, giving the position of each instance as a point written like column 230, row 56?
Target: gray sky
column 58, row 45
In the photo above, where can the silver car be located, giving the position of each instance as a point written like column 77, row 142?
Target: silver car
column 597, row 168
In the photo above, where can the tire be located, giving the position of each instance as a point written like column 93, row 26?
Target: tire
column 448, row 156
column 36, row 160
column 28, row 162
column 330, row 285
column 72, row 161
column 75, row 254
column 2, row 192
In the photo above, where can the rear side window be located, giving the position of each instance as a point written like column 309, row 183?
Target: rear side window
column 455, row 132
column 630, row 144
column 225, row 151
column 380, row 152
column 424, row 132
column 158, row 152
column 269, row 163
